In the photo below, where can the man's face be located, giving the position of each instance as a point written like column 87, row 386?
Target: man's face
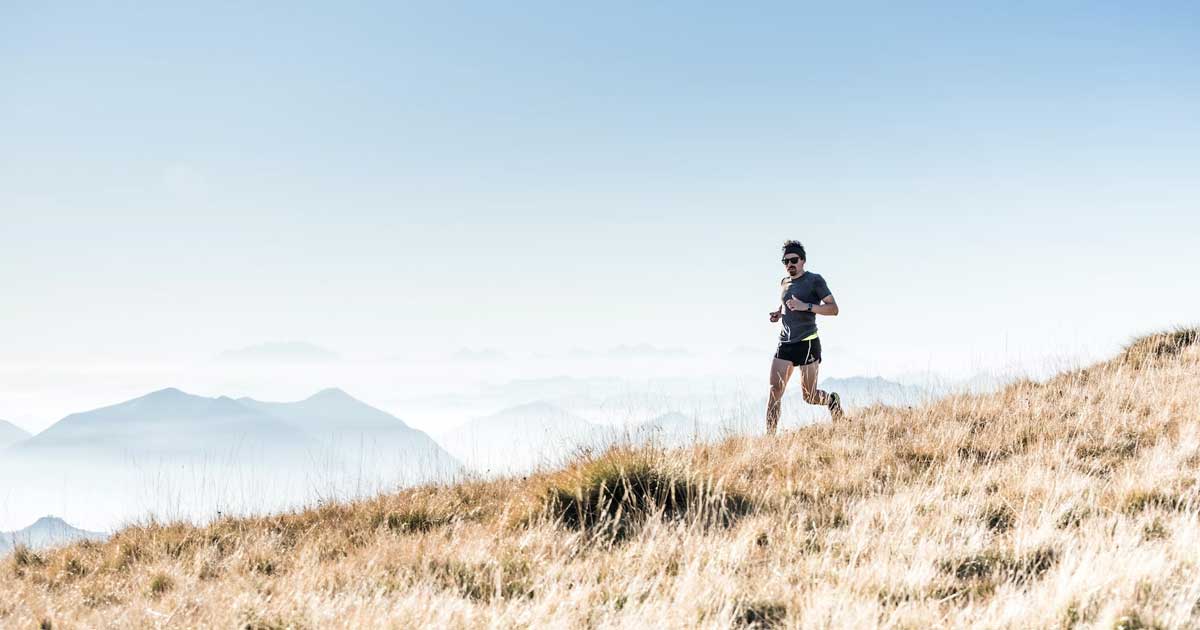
column 793, row 263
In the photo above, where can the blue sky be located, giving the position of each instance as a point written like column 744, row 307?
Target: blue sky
column 978, row 184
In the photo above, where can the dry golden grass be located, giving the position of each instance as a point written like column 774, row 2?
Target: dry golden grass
column 1072, row 503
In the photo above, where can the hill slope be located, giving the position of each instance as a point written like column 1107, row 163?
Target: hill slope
column 1066, row 504
column 11, row 433
column 382, row 446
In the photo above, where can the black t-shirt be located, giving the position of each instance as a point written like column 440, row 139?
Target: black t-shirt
column 808, row 287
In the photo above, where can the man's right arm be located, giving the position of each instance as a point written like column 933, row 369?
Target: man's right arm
column 776, row 314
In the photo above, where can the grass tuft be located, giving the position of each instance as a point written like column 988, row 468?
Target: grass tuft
column 1150, row 349
column 998, row 517
column 1138, row 501
column 761, row 615
column 1019, row 569
column 23, row 557
column 1133, row 622
column 414, row 520
column 160, row 584
column 613, row 494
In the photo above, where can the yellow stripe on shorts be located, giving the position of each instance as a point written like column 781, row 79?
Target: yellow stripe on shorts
column 810, row 337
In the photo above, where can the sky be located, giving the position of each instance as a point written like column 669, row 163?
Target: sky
column 982, row 187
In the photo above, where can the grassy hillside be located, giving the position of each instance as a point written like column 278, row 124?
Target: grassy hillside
column 1070, row 503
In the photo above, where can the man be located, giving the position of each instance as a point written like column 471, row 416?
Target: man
column 804, row 295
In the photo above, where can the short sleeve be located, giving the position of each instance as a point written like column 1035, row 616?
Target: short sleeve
column 821, row 288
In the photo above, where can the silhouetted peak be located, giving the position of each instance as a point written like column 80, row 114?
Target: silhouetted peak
column 332, row 394
column 49, row 521
column 169, row 393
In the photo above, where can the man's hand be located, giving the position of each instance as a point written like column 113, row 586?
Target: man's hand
column 796, row 305
column 776, row 314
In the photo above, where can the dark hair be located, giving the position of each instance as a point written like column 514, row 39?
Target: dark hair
column 794, row 247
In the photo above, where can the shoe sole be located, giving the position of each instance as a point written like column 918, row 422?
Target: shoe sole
column 835, row 408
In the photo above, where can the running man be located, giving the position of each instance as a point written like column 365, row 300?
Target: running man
column 804, row 295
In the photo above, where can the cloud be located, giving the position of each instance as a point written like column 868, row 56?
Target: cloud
column 282, row 352
column 478, row 354
column 646, row 350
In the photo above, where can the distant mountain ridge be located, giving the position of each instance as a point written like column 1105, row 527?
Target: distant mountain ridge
column 47, row 531
column 371, row 437
column 520, row 438
column 165, row 423
column 178, row 455
column 11, row 433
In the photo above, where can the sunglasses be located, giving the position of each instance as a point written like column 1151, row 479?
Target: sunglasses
column 790, row 261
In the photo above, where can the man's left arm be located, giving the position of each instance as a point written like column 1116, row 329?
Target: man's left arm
column 827, row 306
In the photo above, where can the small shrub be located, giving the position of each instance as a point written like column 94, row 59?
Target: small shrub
column 74, row 567
column 508, row 579
column 761, row 615
column 124, row 555
column 904, row 465
column 413, row 520
column 95, row 596
column 1155, row 530
column 1141, row 500
column 278, row 622
column 982, row 456
column 971, row 567
column 262, row 565
column 209, row 570
column 1133, row 622
column 24, row 558
column 998, row 517
column 1019, row 569
column 1073, row 517
column 160, row 584
column 1032, row 565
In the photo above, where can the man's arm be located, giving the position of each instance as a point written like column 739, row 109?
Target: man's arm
column 826, row 307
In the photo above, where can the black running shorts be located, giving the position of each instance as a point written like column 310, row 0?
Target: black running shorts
column 800, row 352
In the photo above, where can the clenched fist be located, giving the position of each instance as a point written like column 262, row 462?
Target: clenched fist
column 796, row 305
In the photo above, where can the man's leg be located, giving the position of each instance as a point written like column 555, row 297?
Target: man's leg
column 814, row 396
column 808, row 380
column 781, row 371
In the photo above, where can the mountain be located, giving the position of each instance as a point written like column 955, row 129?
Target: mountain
column 861, row 391
column 174, row 455
column 523, row 438
column 169, row 423
column 362, row 434
column 673, row 429
column 48, row 531
column 11, row 434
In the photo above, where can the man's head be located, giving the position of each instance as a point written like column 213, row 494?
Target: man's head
column 794, row 257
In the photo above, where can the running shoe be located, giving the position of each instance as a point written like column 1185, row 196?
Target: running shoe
column 835, row 406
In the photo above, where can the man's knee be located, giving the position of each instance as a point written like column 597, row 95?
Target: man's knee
column 812, row 397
